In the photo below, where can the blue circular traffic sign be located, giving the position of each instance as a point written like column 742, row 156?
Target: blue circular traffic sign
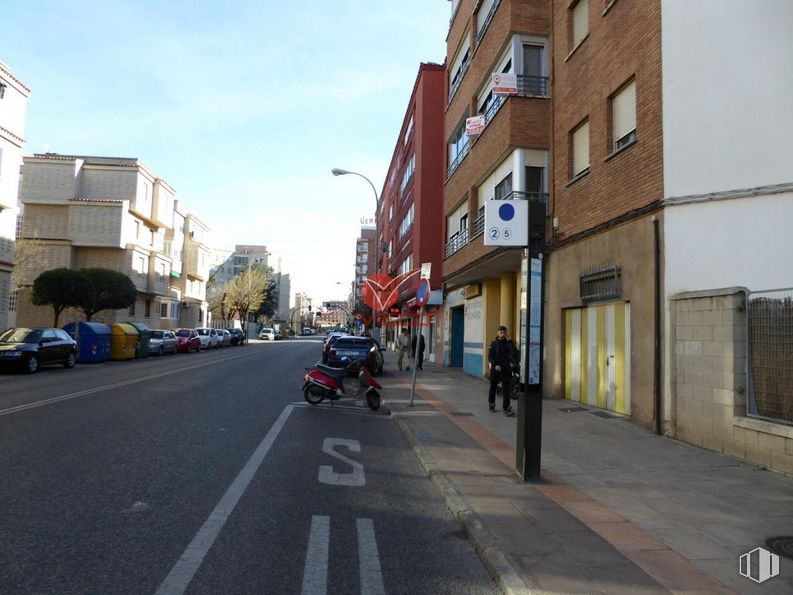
column 423, row 292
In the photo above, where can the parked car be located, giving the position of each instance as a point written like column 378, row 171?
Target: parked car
column 28, row 348
column 237, row 336
column 187, row 340
column 278, row 335
column 329, row 341
column 348, row 348
column 208, row 337
column 224, row 337
column 267, row 334
column 162, row 342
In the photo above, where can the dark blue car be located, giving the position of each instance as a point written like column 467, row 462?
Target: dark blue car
column 347, row 349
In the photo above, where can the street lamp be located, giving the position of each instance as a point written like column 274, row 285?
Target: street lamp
column 343, row 172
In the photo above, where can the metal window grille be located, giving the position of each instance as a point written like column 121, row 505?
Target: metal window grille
column 601, row 284
column 770, row 315
column 529, row 84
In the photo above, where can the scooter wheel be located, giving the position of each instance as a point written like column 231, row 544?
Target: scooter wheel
column 373, row 400
column 313, row 394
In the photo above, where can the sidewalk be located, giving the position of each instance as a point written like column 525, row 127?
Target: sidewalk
column 618, row 509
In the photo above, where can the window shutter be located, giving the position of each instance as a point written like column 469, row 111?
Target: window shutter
column 624, row 114
column 580, row 21
column 581, row 148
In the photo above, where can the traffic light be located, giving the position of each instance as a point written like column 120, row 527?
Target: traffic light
column 309, row 307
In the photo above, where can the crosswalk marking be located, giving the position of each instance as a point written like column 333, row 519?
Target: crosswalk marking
column 369, row 559
column 315, row 574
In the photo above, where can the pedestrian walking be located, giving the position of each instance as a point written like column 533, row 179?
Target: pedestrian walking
column 420, row 356
column 502, row 355
column 403, row 344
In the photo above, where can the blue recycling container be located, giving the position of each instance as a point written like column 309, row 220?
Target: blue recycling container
column 93, row 341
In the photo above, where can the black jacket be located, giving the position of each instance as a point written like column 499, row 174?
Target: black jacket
column 503, row 353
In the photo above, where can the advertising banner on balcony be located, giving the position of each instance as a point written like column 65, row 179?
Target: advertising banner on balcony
column 507, row 223
column 474, row 126
column 504, row 83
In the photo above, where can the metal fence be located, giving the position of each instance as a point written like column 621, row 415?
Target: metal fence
column 770, row 365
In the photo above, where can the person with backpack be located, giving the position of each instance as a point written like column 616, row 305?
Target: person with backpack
column 502, row 355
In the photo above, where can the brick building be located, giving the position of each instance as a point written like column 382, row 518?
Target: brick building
column 365, row 259
column 508, row 160
column 411, row 206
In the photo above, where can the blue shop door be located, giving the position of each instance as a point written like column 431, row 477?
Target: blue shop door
column 458, row 337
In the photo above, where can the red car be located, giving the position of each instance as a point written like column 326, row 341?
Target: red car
column 187, row 340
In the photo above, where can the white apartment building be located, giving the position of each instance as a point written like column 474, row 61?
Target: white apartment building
column 115, row 213
column 13, row 103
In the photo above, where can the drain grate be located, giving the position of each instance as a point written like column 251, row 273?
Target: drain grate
column 604, row 414
column 461, row 413
column 782, row 546
column 573, row 409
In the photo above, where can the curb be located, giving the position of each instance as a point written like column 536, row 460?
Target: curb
column 497, row 563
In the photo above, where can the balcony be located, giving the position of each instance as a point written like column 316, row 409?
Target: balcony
column 486, row 23
column 455, row 163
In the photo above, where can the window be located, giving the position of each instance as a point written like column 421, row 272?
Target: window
column 623, row 114
column 504, row 188
column 535, row 180
column 407, row 222
column 534, row 82
column 406, row 265
column 390, row 212
column 579, row 23
column 390, row 247
column 580, row 137
column 147, row 309
column 464, row 224
column 175, row 310
column 459, row 66
column 409, row 131
column 164, row 310
column 409, row 169
column 458, row 147
column 132, row 310
column 140, row 265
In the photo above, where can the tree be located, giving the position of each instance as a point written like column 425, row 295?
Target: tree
column 219, row 306
column 269, row 304
column 246, row 292
column 61, row 288
column 112, row 290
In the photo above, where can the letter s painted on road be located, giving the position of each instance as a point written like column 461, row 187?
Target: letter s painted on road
column 329, row 476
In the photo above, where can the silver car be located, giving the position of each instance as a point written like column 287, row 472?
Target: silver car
column 162, row 342
column 224, row 337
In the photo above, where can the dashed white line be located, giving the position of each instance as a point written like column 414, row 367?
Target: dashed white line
column 368, row 559
column 315, row 573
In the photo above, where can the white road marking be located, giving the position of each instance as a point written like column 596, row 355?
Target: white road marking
column 315, row 573
column 368, row 559
column 183, row 571
column 326, row 473
column 99, row 389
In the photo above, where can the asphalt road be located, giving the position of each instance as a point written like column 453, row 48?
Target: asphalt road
column 207, row 473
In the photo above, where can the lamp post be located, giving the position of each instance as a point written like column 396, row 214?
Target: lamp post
column 343, row 172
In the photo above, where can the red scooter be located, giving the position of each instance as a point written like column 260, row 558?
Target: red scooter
column 323, row 382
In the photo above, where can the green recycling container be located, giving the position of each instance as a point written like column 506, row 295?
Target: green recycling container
column 144, row 336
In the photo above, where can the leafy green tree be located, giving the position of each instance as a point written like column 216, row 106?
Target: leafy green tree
column 269, row 304
column 61, row 288
column 112, row 290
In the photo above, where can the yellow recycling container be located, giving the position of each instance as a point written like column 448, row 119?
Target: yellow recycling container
column 123, row 341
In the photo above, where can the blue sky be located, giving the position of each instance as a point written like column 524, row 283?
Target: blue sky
column 244, row 107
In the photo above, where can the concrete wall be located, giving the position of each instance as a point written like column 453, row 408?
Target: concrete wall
column 709, row 381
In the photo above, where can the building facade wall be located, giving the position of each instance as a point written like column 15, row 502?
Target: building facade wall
column 709, row 338
column 734, row 55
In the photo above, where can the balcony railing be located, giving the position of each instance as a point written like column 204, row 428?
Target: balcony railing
column 530, row 85
column 486, row 23
column 456, row 83
column 459, row 240
column 479, row 226
column 457, row 160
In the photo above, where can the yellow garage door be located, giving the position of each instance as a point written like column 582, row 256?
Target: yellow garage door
column 597, row 356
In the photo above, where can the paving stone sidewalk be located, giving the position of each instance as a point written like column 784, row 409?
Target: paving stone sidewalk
column 618, row 509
